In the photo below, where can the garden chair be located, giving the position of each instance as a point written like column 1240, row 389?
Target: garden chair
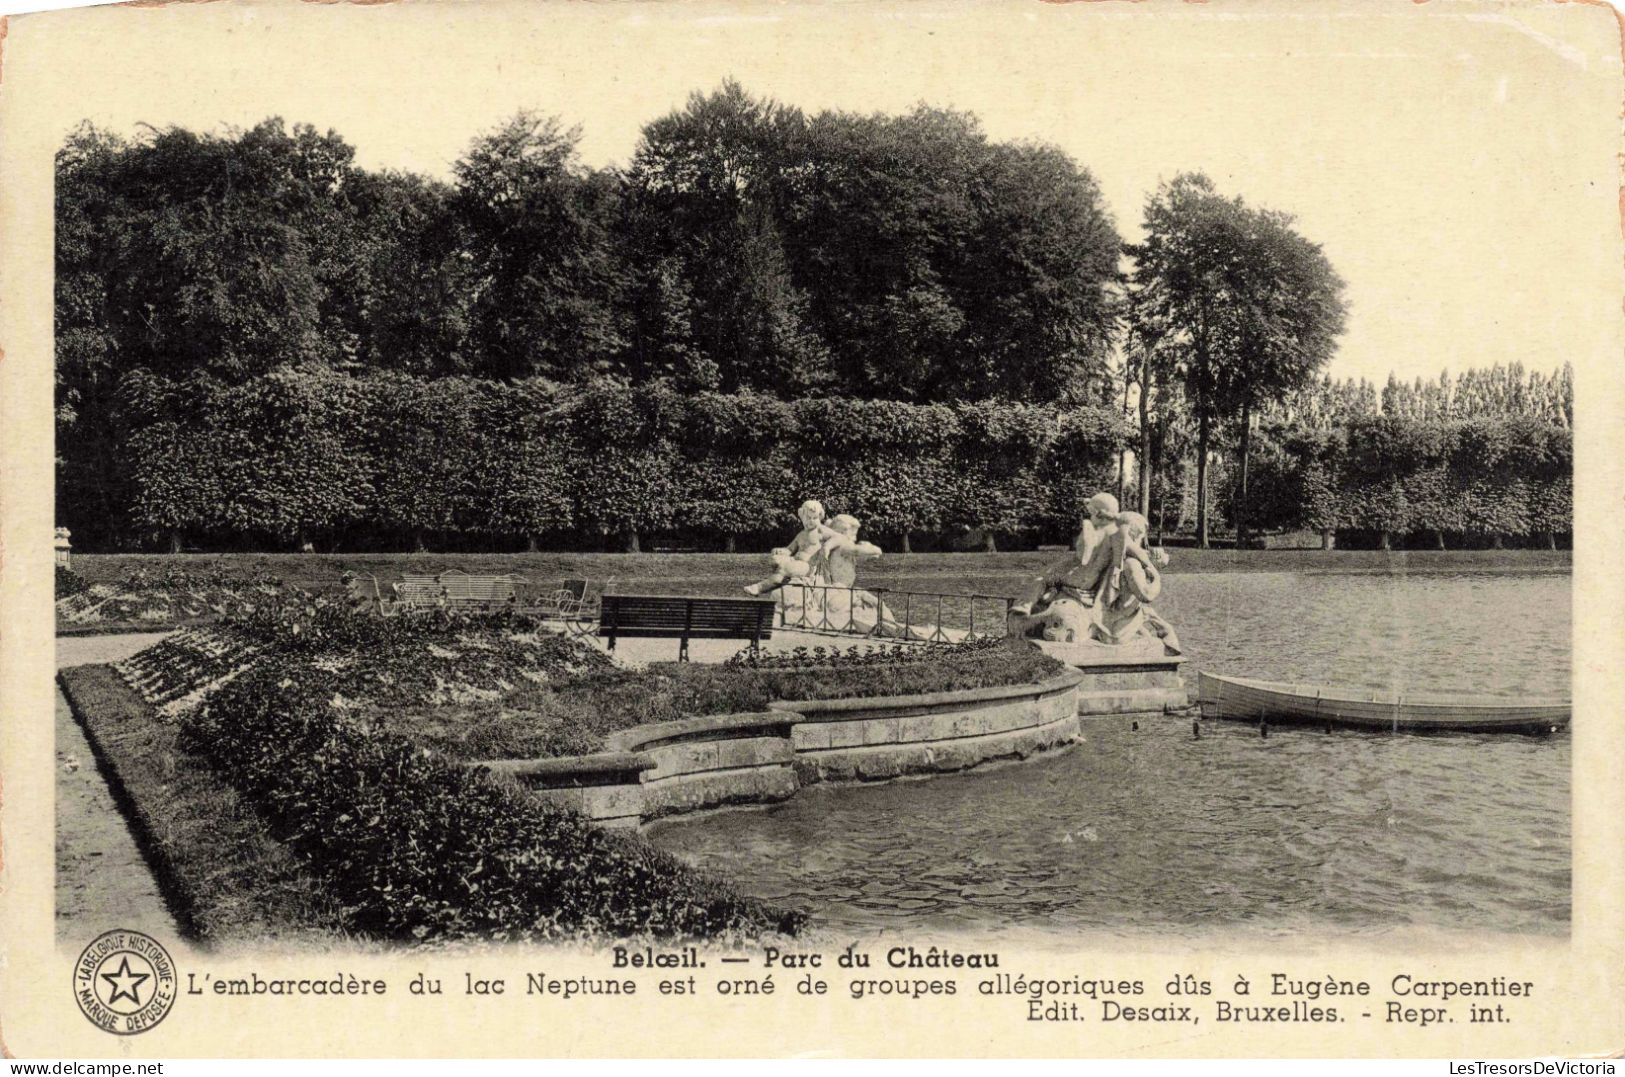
column 364, row 595
column 463, row 591
column 577, row 604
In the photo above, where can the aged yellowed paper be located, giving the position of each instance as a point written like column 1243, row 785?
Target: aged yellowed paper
column 1458, row 164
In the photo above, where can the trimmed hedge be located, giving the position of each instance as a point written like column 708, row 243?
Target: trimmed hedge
column 1483, row 479
column 470, row 460
column 223, row 874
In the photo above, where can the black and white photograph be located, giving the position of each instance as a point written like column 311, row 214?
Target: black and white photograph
column 714, row 483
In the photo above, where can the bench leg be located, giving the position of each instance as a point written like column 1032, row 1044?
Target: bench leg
column 682, row 650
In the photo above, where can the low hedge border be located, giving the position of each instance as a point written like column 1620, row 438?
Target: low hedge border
column 130, row 628
column 421, row 849
column 222, row 873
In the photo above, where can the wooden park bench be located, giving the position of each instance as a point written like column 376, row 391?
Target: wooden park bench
column 416, row 592
column 683, row 618
column 463, row 591
column 455, row 589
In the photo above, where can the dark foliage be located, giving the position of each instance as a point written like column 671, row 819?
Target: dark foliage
column 419, row 848
column 1477, row 480
column 69, row 582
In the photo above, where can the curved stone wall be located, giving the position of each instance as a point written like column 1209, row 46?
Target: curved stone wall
column 653, row 771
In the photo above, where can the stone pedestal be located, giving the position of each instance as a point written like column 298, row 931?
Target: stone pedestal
column 1133, row 681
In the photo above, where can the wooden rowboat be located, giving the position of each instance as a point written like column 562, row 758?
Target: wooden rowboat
column 1363, row 708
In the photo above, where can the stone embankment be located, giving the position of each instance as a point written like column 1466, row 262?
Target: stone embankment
column 654, row 771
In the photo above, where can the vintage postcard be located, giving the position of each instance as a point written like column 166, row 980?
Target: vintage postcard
column 721, row 529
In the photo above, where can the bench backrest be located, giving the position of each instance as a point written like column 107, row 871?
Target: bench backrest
column 677, row 615
column 461, row 587
column 419, row 591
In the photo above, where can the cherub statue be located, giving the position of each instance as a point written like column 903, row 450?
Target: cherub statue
column 1060, row 604
column 803, row 557
column 842, row 602
column 1128, row 614
column 843, row 551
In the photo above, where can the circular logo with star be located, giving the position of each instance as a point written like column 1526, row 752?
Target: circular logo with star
column 125, row 982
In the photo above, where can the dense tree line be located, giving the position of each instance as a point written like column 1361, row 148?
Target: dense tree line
column 1481, row 459
column 746, row 246
column 929, row 328
column 337, row 459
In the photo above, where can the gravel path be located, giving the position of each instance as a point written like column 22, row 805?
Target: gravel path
column 102, row 881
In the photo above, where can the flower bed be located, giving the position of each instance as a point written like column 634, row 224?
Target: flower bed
column 575, row 715
column 349, row 736
column 141, row 601
column 178, row 672
column 420, row 849
column 433, row 660
column 279, row 705
column 495, row 686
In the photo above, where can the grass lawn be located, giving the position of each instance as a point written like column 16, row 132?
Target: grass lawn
column 222, row 873
column 719, row 573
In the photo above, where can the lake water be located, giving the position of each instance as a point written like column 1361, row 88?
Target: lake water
column 1155, row 832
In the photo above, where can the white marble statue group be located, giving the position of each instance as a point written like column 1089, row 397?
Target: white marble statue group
column 1101, row 592
column 815, row 576
column 822, row 554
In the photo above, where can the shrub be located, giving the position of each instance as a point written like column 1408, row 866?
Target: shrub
column 456, row 456
column 69, row 582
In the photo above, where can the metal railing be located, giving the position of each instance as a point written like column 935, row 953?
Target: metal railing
column 893, row 614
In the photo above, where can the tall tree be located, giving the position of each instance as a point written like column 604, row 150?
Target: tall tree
column 702, row 231
column 182, row 253
column 419, row 276
column 1252, row 308
column 1041, row 314
column 547, row 276
column 1293, row 312
column 877, row 220
column 1144, row 331
column 940, row 265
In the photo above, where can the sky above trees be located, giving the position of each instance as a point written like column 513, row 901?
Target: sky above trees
column 1452, row 170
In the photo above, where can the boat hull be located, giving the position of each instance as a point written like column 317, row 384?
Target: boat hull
column 1243, row 699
